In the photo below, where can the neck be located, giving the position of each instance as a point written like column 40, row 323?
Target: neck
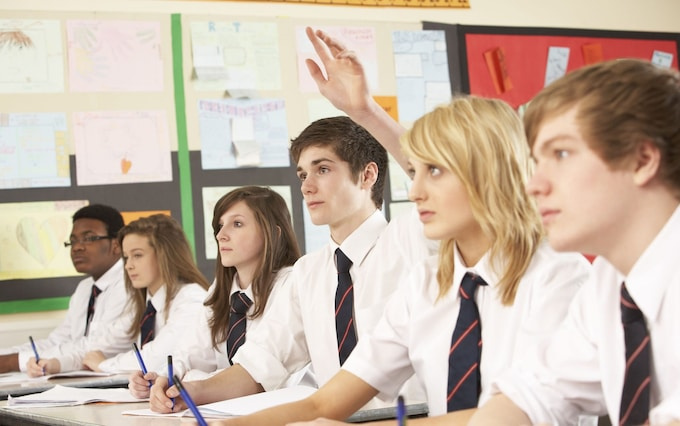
column 345, row 227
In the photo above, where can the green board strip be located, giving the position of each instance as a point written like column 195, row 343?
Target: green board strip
column 34, row 305
column 186, row 198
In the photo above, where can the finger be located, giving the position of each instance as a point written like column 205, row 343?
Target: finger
column 333, row 44
column 315, row 72
column 319, row 46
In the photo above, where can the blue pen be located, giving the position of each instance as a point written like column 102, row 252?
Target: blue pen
column 35, row 352
column 170, row 374
column 140, row 360
column 187, row 399
column 401, row 411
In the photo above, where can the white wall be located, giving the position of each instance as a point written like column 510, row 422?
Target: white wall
column 652, row 15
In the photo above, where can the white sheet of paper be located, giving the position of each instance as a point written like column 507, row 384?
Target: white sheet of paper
column 60, row 396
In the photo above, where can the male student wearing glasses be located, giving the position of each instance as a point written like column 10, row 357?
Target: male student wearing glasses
column 96, row 302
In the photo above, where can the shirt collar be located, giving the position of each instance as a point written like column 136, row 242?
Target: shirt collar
column 158, row 299
column 360, row 242
column 113, row 275
column 654, row 271
column 482, row 268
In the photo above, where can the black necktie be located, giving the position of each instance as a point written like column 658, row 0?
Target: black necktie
column 237, row 322
column 148, row 324
column 90, row 307
column 465, row 353
column 344, row 307
column 635, row 395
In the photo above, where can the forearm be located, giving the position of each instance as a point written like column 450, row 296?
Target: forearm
column 230, row 383
column 384, row 128
column 499, row 410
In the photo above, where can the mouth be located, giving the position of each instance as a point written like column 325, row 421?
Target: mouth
column 425, row 215
column 313, row 204
column 548, row 215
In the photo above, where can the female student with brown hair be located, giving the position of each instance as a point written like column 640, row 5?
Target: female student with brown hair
column 256, row 249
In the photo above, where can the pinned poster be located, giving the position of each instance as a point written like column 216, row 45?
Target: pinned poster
column 495, row 63
column 389, row 104
column 662, row 59
column 556, row 65
column 592, row 53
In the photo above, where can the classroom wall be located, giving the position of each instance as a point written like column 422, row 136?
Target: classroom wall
column 627, row 15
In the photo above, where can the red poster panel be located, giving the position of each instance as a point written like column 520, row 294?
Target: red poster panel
column 524, row 59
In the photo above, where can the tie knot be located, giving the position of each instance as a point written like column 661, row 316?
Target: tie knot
column 629, row 309
column 240, row 302
column 469, row 285
column 149, row 308
column 95, row 291
column 342, row 262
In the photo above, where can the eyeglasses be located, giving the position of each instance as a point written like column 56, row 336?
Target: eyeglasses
column 86, row 240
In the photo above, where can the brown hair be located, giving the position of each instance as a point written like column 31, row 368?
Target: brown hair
column 280, row 249
column 175, row 261
column 352, row 143
column 621, row 104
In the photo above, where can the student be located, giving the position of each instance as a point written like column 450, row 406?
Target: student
column 342, row 170
column 606, row 142
column 165, row 291
column 96, row 302
column 256, row 250
column 469, row 162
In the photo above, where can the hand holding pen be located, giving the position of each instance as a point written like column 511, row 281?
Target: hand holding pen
column 141, row 362
column 37, row 357
column 190, row 402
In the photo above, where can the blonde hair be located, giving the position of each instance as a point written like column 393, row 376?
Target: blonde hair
column 482, row 142
column 175, row 262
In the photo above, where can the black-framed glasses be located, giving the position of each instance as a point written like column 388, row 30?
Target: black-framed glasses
column 86, row 240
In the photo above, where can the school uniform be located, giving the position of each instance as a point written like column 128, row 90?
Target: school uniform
column 116, row 344
column 69, row 336
column 414, row 335
column 300, row 327
column 581, row 369
column 195, row 355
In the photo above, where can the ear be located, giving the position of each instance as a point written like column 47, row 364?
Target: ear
column 647, row 162
column 369, row 176
column 115, row 246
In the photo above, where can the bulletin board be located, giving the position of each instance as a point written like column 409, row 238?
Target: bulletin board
column 526, row 60
column 193, row 179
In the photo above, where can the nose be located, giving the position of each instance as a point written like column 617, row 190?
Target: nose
column 538, row 183
column 307, row 186
column 416, row 193
column 222, row 234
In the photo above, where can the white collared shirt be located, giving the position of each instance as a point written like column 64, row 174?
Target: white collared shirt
column 195, row 353
column 185, row 311
column 69, row 336
column 414, row 336
column 301, row 324
column 582, row 367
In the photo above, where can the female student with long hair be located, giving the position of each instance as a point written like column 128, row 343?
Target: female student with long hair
column 469, row 162
column 165, row 289
column 256, row 249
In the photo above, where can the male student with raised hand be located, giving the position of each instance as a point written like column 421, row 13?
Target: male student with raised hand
column 606, row 140
column 342, row 170
column 97, row 301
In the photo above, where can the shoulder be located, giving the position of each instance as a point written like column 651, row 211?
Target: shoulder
column 193, row 291
column 549, row 267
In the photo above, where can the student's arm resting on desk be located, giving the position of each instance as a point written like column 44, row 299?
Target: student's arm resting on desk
column 9, row 363
column 229, row 383
column 42, row 367
column 499, row 410
column 347, row 89
column 343, row 395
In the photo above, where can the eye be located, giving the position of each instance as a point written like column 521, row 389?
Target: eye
column 323, row 170
column 411, row 172
column 434, row 170
column 302, row 176
column 238, row 224
column 561, row 153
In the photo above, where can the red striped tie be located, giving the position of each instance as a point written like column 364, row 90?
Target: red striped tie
column 90, row 307
column 464, row 383
column 148, row 325
column 344, row 307
column 236, row 336
column 635, row 395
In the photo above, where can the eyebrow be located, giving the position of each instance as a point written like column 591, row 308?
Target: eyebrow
column 316, row 162
column 561, row 137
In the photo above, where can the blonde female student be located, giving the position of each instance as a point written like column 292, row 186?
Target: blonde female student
column 166, row 292
column 256, row 250
column 495, row 290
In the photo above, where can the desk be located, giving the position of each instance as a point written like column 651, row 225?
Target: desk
column 89, row 414
column 110, row 415
column 18, row 389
